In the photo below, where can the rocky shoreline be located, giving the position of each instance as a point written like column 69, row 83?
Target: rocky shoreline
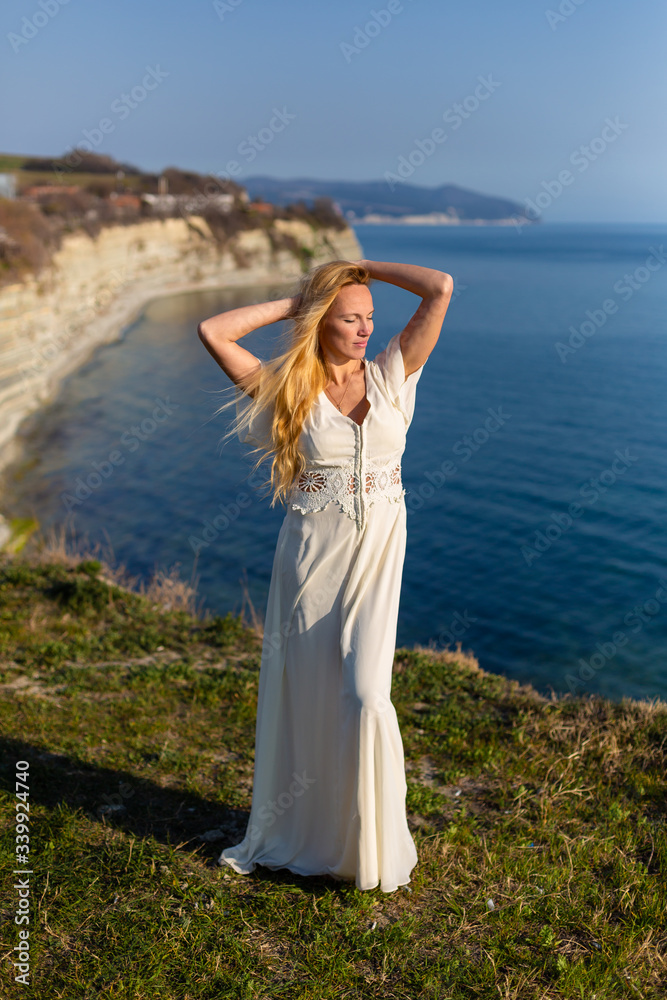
column 51, row 324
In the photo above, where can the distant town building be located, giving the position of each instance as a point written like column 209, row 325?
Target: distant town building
column 7, row 186
column 160, row 202
column 131, row 201
column 198, row 202
column 263, row 207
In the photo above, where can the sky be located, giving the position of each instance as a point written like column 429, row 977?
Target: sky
column 558, row 103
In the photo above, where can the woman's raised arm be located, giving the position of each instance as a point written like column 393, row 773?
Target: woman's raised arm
column 220, row 333
column 420, row 335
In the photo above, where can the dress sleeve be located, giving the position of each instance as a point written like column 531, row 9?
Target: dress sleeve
column 259, row 430
column 400, row 389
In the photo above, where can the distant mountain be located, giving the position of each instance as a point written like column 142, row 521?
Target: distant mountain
column 358, row 199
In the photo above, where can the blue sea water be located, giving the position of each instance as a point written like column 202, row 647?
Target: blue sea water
column 535, row 464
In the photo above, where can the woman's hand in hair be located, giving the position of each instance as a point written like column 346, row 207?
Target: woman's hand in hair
column 293, row 308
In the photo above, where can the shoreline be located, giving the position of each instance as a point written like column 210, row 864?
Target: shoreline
column 45, row 338
column 437, row 219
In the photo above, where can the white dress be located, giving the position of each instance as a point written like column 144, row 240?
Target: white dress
column 329, row 780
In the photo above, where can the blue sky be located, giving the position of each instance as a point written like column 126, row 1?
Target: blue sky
column 358, row 86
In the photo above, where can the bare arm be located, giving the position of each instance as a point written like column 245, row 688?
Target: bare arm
column 220, row 333
column 420, row 335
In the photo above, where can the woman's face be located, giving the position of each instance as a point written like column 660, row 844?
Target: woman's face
column 348, row 325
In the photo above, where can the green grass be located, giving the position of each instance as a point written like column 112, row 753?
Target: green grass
column 138, row 725
column 9, row 161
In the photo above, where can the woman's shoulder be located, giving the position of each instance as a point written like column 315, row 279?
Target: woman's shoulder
column 388, row 368
column 386, row 352
column 388, row 365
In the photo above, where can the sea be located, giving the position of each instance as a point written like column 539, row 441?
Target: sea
column 535, row 464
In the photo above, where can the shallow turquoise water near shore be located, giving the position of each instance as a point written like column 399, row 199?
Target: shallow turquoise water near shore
column 535, row 465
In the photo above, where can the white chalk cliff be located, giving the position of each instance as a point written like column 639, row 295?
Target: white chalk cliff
column 52, row 323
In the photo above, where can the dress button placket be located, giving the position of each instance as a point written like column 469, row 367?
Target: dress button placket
column 361, row 478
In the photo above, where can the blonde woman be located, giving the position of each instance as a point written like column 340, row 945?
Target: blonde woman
column 329, row 781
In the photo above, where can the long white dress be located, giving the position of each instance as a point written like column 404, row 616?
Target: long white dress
column 329, row 780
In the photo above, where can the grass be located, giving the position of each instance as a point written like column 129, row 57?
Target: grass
column 13, row 163
column 540, row 823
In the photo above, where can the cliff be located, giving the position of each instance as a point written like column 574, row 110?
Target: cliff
column 93, row 288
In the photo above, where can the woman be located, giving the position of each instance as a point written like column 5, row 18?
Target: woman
column 329, row 784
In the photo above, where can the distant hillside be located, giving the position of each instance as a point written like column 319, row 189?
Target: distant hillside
column 358, row 199
column 84, row 191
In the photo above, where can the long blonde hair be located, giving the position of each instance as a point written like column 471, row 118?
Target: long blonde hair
column 290, row 382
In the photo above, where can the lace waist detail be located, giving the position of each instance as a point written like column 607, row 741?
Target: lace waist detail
column 317, row 486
